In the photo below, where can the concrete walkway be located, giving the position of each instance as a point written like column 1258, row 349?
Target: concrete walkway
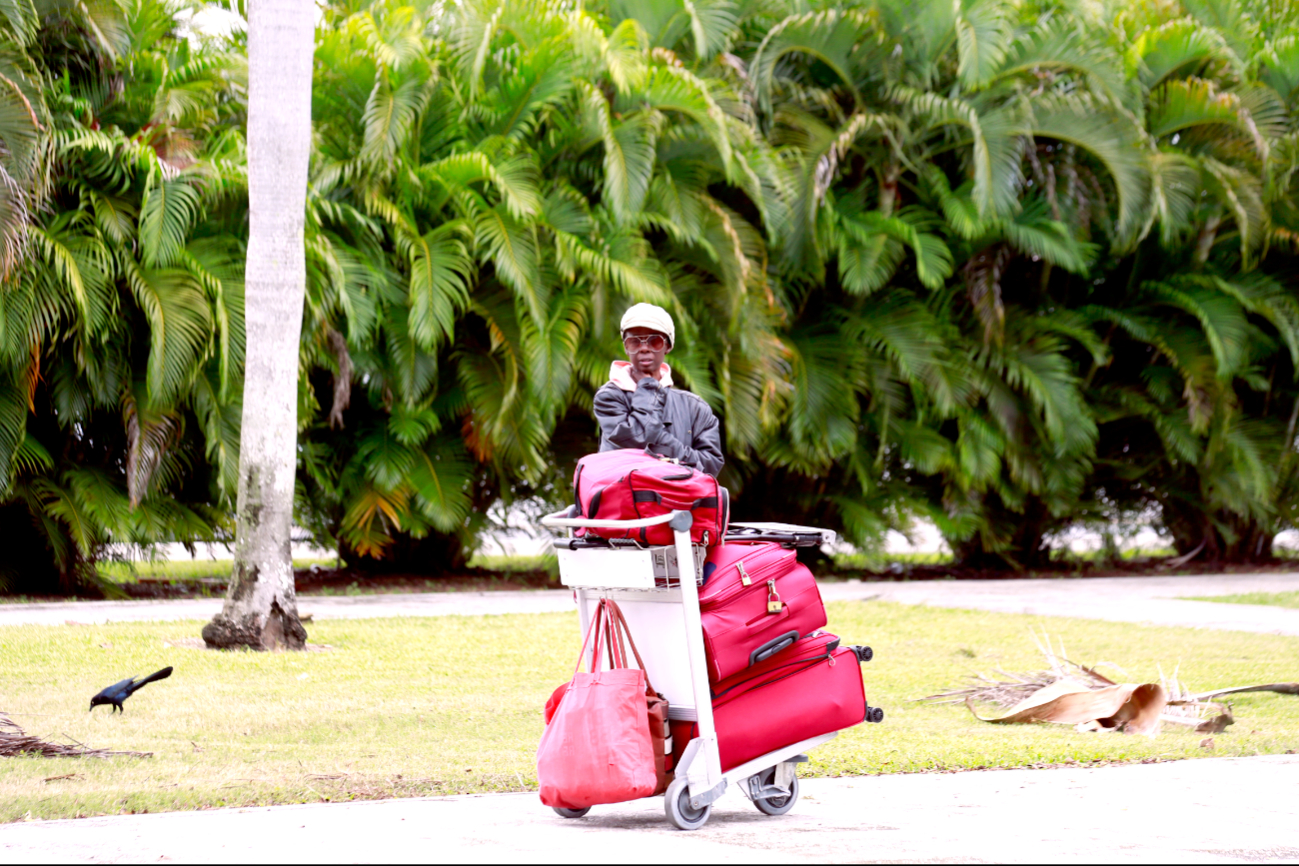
column 1203, row 811
column 1154, row 600
column 321, row 607
column 1124, row 599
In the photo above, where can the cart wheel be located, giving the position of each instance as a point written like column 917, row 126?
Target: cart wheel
column 676, row 803
column 777, row 805
column 570, row 813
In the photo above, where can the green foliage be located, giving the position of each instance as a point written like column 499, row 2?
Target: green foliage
column 477, row 235
column 121, row 324
column 1007, row 266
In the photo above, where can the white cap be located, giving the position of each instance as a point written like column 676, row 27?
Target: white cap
column 649, row 316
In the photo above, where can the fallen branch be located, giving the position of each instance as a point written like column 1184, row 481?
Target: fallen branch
column 1018, row 687
column 14, row 741
column 1279, row 688
column 1068, row 693
column 1179, row 561
column 1135, row 709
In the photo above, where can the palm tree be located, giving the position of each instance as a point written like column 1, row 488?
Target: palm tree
column 260, row 609
column 124, row 306
column 1203, row 311
column 490, row 189
column 920, row 150
column 960, row 261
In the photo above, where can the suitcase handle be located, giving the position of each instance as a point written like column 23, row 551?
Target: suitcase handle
column 771, row 647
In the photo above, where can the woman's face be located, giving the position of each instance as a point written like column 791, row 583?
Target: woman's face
column 645, row 360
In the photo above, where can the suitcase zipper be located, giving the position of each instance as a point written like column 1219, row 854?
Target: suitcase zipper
column 746, row 580
column 766, row 678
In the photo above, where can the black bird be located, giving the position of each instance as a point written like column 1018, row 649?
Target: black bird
column 119, row 692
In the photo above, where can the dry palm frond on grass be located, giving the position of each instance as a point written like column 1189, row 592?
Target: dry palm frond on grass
column 14, row 741
column 1015, row 688
column 1070, row 693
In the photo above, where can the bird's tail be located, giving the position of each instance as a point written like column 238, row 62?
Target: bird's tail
column 159, row 675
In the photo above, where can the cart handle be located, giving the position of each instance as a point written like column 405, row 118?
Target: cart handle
column 558, row 519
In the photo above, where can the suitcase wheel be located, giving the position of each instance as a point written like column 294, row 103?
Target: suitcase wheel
column 570, row 813
column 676, row 804
column 776, row 805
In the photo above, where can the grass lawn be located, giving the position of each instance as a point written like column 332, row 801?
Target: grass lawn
column 407, row 707
column 1276, row 599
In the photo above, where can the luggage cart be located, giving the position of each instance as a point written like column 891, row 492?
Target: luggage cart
column 658, row 591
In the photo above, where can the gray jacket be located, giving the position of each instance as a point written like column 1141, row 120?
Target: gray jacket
column 666, row 421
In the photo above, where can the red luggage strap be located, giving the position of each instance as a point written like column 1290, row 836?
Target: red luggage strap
column 610, row 623
column 618, row 623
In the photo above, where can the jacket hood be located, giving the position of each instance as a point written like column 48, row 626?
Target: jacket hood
column 620, row 375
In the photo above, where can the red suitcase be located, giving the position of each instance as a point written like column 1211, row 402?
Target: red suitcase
column 630, row 484
column 757, row 599
column 812, row 688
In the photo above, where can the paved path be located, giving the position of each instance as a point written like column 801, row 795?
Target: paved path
column 1203, row 811
column 1124, row 599
column 1153, row 600
column 322, row 607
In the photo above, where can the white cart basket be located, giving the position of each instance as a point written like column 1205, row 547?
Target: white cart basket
column 658, row 591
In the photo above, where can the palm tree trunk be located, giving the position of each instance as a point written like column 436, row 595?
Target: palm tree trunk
column 889, row 188
column 261, row 608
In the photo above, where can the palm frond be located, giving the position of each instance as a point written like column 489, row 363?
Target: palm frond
column 983, row 34
column 440, row 269
column 628, row 154
column 169, row 210
column 1112, row 139
column 834, row 38
column 180, row 326
column 512, row 248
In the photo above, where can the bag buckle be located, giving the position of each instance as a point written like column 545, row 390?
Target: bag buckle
column 774, row 604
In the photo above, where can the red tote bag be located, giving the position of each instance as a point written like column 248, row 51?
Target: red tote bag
column 596, row 747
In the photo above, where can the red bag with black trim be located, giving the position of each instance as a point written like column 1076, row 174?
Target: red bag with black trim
column 631, row 484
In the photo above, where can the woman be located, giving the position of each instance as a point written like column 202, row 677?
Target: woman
column 640, row 408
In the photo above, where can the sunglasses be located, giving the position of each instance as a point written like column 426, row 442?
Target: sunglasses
column 656, row 342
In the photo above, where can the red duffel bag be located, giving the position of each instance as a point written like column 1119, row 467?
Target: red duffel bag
column 757, row 600
column 630, row 484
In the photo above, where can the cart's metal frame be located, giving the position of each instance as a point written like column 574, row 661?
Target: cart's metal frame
column 700, row 769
